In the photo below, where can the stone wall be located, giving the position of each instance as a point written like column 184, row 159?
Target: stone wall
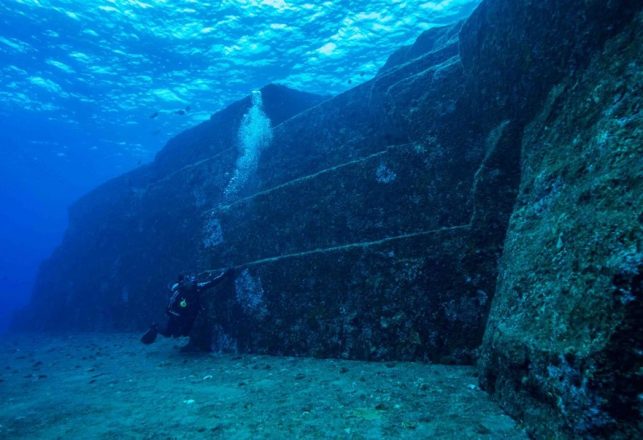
column 129, row 238
column 562, row 348
column 373, row 224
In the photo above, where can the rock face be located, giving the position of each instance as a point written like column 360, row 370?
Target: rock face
column 369, row 229
column 130, row 237
column 562, row 348
column 367, row 226
column 372, row 225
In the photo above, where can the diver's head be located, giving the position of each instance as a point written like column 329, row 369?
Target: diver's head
column 187, row 280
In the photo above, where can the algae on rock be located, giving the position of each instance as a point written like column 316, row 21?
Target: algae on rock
column 562, row 345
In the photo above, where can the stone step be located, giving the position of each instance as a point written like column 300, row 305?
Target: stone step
column 393, row 192
column 404, row 297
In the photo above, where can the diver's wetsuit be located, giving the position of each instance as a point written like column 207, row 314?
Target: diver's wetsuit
column 182, row 309
column 184, row 306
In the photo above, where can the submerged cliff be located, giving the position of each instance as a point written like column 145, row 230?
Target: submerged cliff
column 486, row 182
column 363, row 227
column 129, row 238
column 562, row 348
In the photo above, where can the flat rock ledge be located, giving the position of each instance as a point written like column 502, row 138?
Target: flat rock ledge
column 107, row 386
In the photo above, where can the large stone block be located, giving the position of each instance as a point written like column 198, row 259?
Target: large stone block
column 562, row 348
column 514, row 51
column 128, row 238
column 386, row 299
column 389, row 193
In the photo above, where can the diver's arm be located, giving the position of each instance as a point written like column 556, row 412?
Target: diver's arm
column 214, row 281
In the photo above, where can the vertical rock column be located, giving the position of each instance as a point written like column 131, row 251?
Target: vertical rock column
column 562, row 348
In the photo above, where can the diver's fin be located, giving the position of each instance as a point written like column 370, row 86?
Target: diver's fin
column 149, row 336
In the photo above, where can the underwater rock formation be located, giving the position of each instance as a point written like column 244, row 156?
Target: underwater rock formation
column 130, row 237
column 364, row 233
column 376, row 224
column 369, row 228
column 562, row 348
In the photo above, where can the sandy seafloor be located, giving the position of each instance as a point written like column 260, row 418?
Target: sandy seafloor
column 110, row 386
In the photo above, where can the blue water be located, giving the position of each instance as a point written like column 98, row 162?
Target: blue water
column 91, row 89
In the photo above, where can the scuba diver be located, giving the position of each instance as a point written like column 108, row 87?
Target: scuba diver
column 185, row 304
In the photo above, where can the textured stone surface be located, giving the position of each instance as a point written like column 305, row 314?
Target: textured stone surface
column 514, row 51
column 562, row 348
column 356, row 233
column 129, row 238
column 373, row 224
column 361, row 207
column 437, row 40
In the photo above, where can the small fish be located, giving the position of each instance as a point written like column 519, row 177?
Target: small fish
column 154, row 115
column 179, row 112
